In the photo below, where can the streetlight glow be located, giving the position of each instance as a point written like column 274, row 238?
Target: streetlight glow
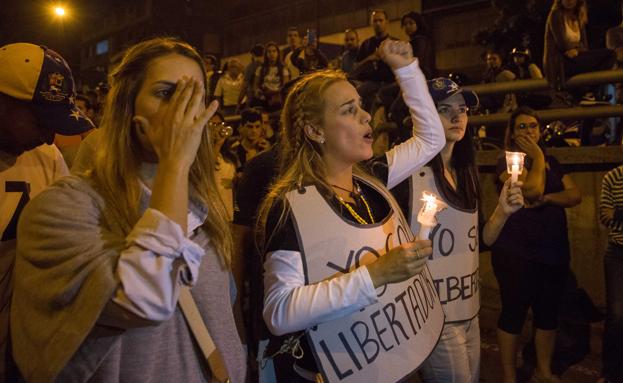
column 59, row 11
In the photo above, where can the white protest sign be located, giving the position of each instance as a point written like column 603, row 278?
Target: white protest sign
column 386, row 341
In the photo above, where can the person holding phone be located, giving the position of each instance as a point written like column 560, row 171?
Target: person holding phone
column 309, row 58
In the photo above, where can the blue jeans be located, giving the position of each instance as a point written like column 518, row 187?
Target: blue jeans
column 612, row 352
column 456, row 359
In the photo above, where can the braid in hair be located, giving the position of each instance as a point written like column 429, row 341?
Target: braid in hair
column 300, row 157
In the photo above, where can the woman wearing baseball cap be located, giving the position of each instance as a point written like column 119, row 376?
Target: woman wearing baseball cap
column 452, row 175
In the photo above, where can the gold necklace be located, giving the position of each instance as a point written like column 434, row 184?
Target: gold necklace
column 352, row 211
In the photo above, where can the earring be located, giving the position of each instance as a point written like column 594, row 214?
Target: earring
column 321, row 140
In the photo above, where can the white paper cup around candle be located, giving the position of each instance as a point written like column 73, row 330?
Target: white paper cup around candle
column 427, row 215
column 514, row 164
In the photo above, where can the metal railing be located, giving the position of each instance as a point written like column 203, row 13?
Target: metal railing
column 578, row 81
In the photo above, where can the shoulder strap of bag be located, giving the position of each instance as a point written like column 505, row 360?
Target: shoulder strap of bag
column 202, row 336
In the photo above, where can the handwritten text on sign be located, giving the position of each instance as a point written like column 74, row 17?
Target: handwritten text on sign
column 407, row 320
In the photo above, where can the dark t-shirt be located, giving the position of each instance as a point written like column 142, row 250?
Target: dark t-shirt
column 253, row 186
column 536, row 234
column 378, row 71
column 285, row 237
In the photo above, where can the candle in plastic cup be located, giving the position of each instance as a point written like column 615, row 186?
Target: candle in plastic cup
column 514, row 164
column 427, row 215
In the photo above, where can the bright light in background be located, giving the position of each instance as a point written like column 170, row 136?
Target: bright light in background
column 60, row 11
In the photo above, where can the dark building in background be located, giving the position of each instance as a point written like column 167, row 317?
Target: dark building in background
column 123, row 23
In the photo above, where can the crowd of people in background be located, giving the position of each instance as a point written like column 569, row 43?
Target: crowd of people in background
column 355, row 137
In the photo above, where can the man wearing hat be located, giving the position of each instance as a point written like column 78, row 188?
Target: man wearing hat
column 36, row 102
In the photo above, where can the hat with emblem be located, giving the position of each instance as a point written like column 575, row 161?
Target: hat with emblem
column 42, row 77
column 442, row 88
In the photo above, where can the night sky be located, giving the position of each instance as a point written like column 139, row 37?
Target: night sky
column 33, row 21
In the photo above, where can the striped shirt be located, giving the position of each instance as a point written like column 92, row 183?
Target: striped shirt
column 612, row 198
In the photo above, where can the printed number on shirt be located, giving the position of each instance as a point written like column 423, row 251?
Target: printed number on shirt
column 10, row 233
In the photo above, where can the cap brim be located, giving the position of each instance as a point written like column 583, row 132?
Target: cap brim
column 471, row 99
column 64, row 119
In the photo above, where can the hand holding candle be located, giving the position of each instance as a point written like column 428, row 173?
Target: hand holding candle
column 427, row 215
column 514, row 164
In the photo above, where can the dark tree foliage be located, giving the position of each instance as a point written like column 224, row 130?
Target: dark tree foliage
column 519, row 24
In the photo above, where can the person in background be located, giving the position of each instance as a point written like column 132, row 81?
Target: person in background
column 611, row 216
column 308, row 58
column 226, row 162
column 257, row 57
column 495, row 72
column 212, row 65
column 36, row 102
column 566, row 51
column 370, row 70
column 522, row 67
column 349, row 56
column 389, row 95
column 295, row 41
column 118, row 247
column 86, row 107
column 270, row 77
column 251, row 140
column 229, row 86
column 268, row 132
column 531, row 255
column 68, row 145
column 416, row 29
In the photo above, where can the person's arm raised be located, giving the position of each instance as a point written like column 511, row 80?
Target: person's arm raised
column 428, row 135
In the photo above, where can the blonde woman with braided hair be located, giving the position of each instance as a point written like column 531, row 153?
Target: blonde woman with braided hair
column 104, row 258
column 323, row 196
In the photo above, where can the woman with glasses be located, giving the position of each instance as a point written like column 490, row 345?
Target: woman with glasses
column 452, row 176
column 531, row 256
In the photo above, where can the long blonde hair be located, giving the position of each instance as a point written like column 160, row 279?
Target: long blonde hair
column 300, row 158
column 117, row 157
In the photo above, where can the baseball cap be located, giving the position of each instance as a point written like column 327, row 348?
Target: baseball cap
column 442, row 88
column 42, row 77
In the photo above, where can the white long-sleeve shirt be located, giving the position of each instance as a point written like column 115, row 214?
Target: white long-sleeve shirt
column 289, row 304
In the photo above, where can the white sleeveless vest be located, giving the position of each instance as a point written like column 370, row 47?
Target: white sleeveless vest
column 454, row 263
column 385, row 341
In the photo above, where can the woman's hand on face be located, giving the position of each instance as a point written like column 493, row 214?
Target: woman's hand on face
column 176, row 128
column 528, row 146
column 400, row 263
column 396, row 54
column 511, row 197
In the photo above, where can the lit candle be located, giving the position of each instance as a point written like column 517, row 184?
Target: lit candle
column 427, row 215
column 514, row 164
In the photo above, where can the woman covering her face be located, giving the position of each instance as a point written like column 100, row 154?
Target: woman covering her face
column 105, row 256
